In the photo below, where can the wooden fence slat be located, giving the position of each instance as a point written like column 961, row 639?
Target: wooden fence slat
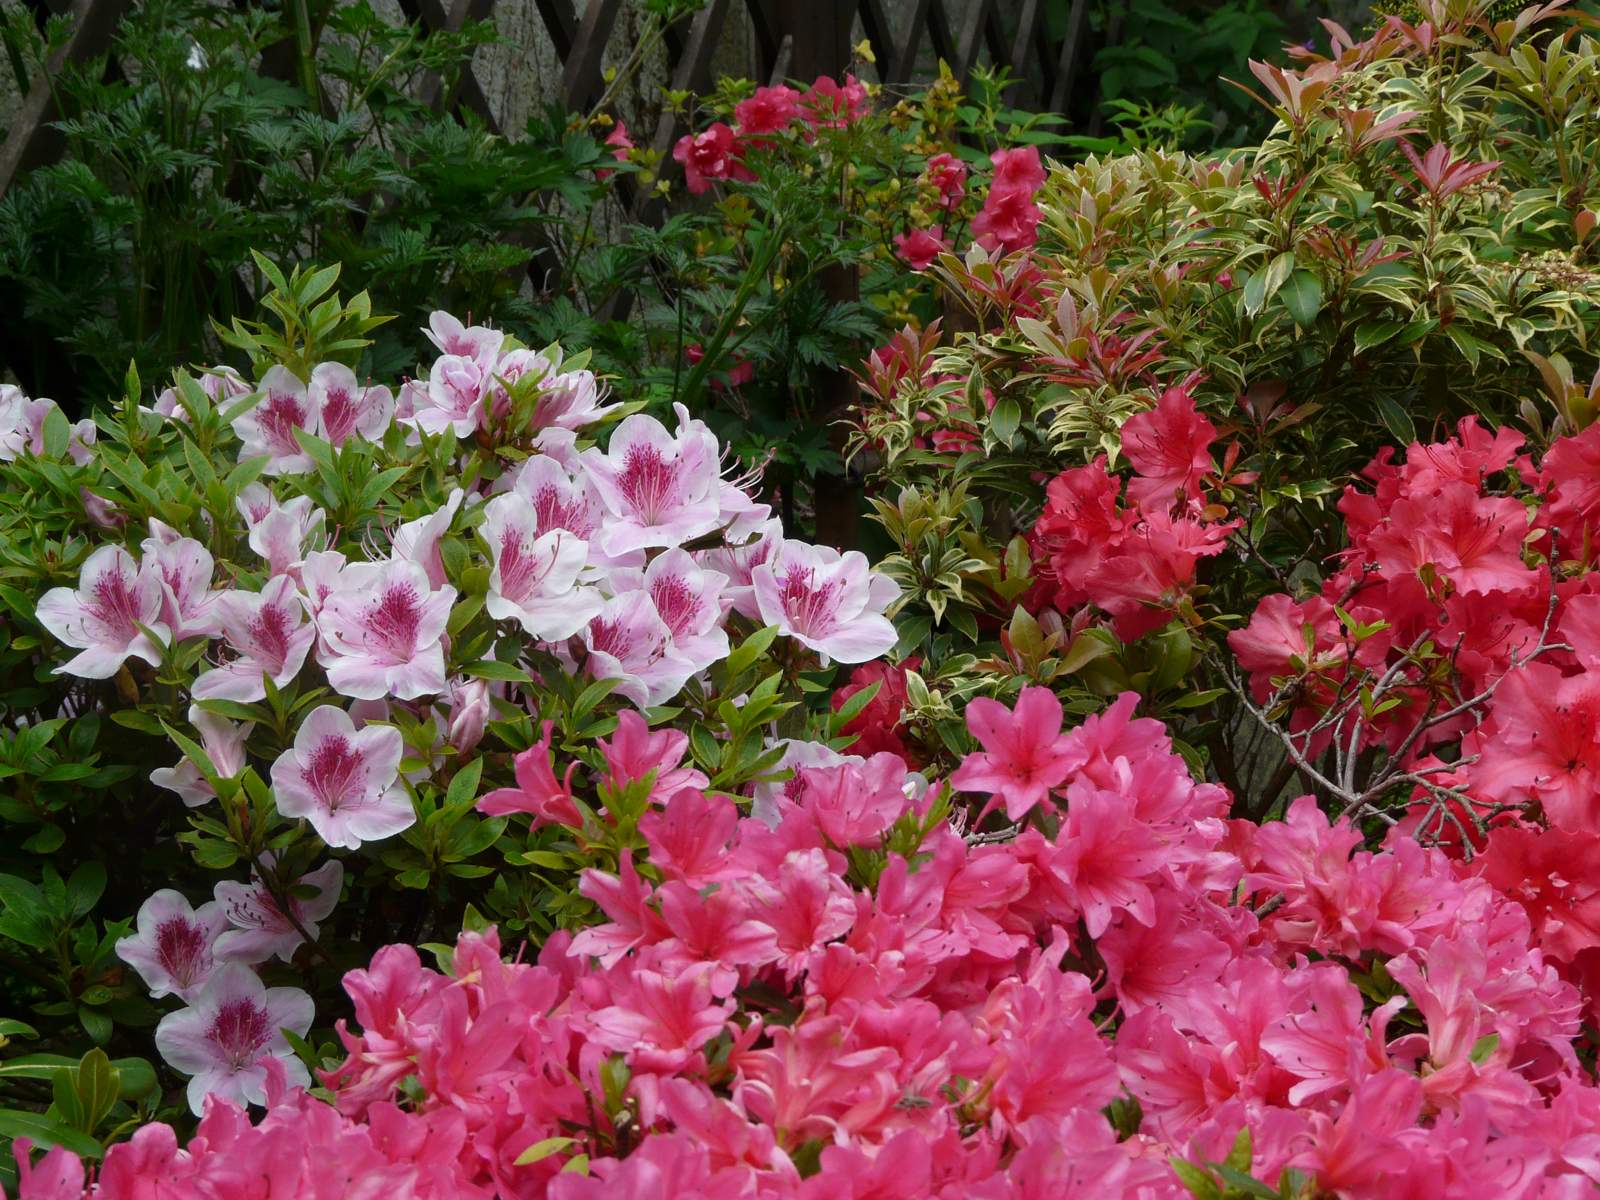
column 31, row 141
column 561, row 23
column 906, row 46
column 944, row 43
column 1027, row 35
column 876, row 25
column 580, row 80
column 971, row 31
column 1067, row 63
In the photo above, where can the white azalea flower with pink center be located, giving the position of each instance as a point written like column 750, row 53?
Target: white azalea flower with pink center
column 102, row 617
column 510, row 369
column 468, row 341
column 570, row 400
column 269, row 427
column 267, row 634
column 21, row 423
column 235, row 1023
column 419, row 540
column 261, row 929
column 660, row 489
column 629, row 642
column 385, row 636
column 738, row 561
column 188, row 605
column 345, row 408
column 280, row 531
column 344, row 780
column 688, row 599
column 833, row 603
column 223, row 741
column 220, row 384
column 534, row 580
column 173, row 949
column 457, row 387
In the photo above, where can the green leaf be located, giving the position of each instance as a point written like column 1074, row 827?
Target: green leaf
column 752, row 648
column 489, row 669
column 1396, row 419
column 1484, row 1047
column 43, row 1131
column 1302, row 296
column 1375, row 333
column 542, row 1150
column 1005, row 419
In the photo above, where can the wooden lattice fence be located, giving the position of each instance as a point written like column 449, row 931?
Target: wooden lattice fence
column 793, row 39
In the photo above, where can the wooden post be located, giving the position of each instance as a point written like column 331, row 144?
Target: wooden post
column 32, row 142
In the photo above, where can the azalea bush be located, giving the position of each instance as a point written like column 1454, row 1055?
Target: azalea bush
column 1149, row 428
column 328, row 612
column 795, row 214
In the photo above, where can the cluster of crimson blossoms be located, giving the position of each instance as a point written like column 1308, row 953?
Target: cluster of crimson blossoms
column 1007, row 220
column 776, row 1005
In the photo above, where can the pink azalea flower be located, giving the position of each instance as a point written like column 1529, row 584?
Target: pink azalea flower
column 830, row 602
column 1544, row 744
column 634, row 752
column 172, row 950
column 385, row 635
column 948, row 174
column 21, row 423
column 919, row 248
column 830, row 105
column 534, row 580
column 629, row 642
column 660, row 1022
column 661, row 489
column 712, row 154
column 562, row 501
column 269, row 428
column 1104, row 859
column 343, row 780
column 538, row 791
column 222, row 385
column 102, row 617
column 58, row 1175
column 1025, row 753
column 624, row 898
column 1170, row 448
column 269, row 636
column 467, row 341
column 769, row 110
column 188, row 606
column 223, row 741
column 235, row 1022
column 261, row 929
column 806, row 906
column 345, row 408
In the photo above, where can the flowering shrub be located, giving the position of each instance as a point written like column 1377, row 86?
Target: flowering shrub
column 1146, row 430
column 801, row 209
column 319, row 615
column 845, row 995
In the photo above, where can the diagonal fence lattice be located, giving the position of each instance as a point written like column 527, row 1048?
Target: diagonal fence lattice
column 797, row 39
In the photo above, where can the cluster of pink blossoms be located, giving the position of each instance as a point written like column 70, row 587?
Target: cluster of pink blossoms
column 1137, row 562
column 718, row 151
column 586, row 554
column 1472, row 550
column 775, row 1006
